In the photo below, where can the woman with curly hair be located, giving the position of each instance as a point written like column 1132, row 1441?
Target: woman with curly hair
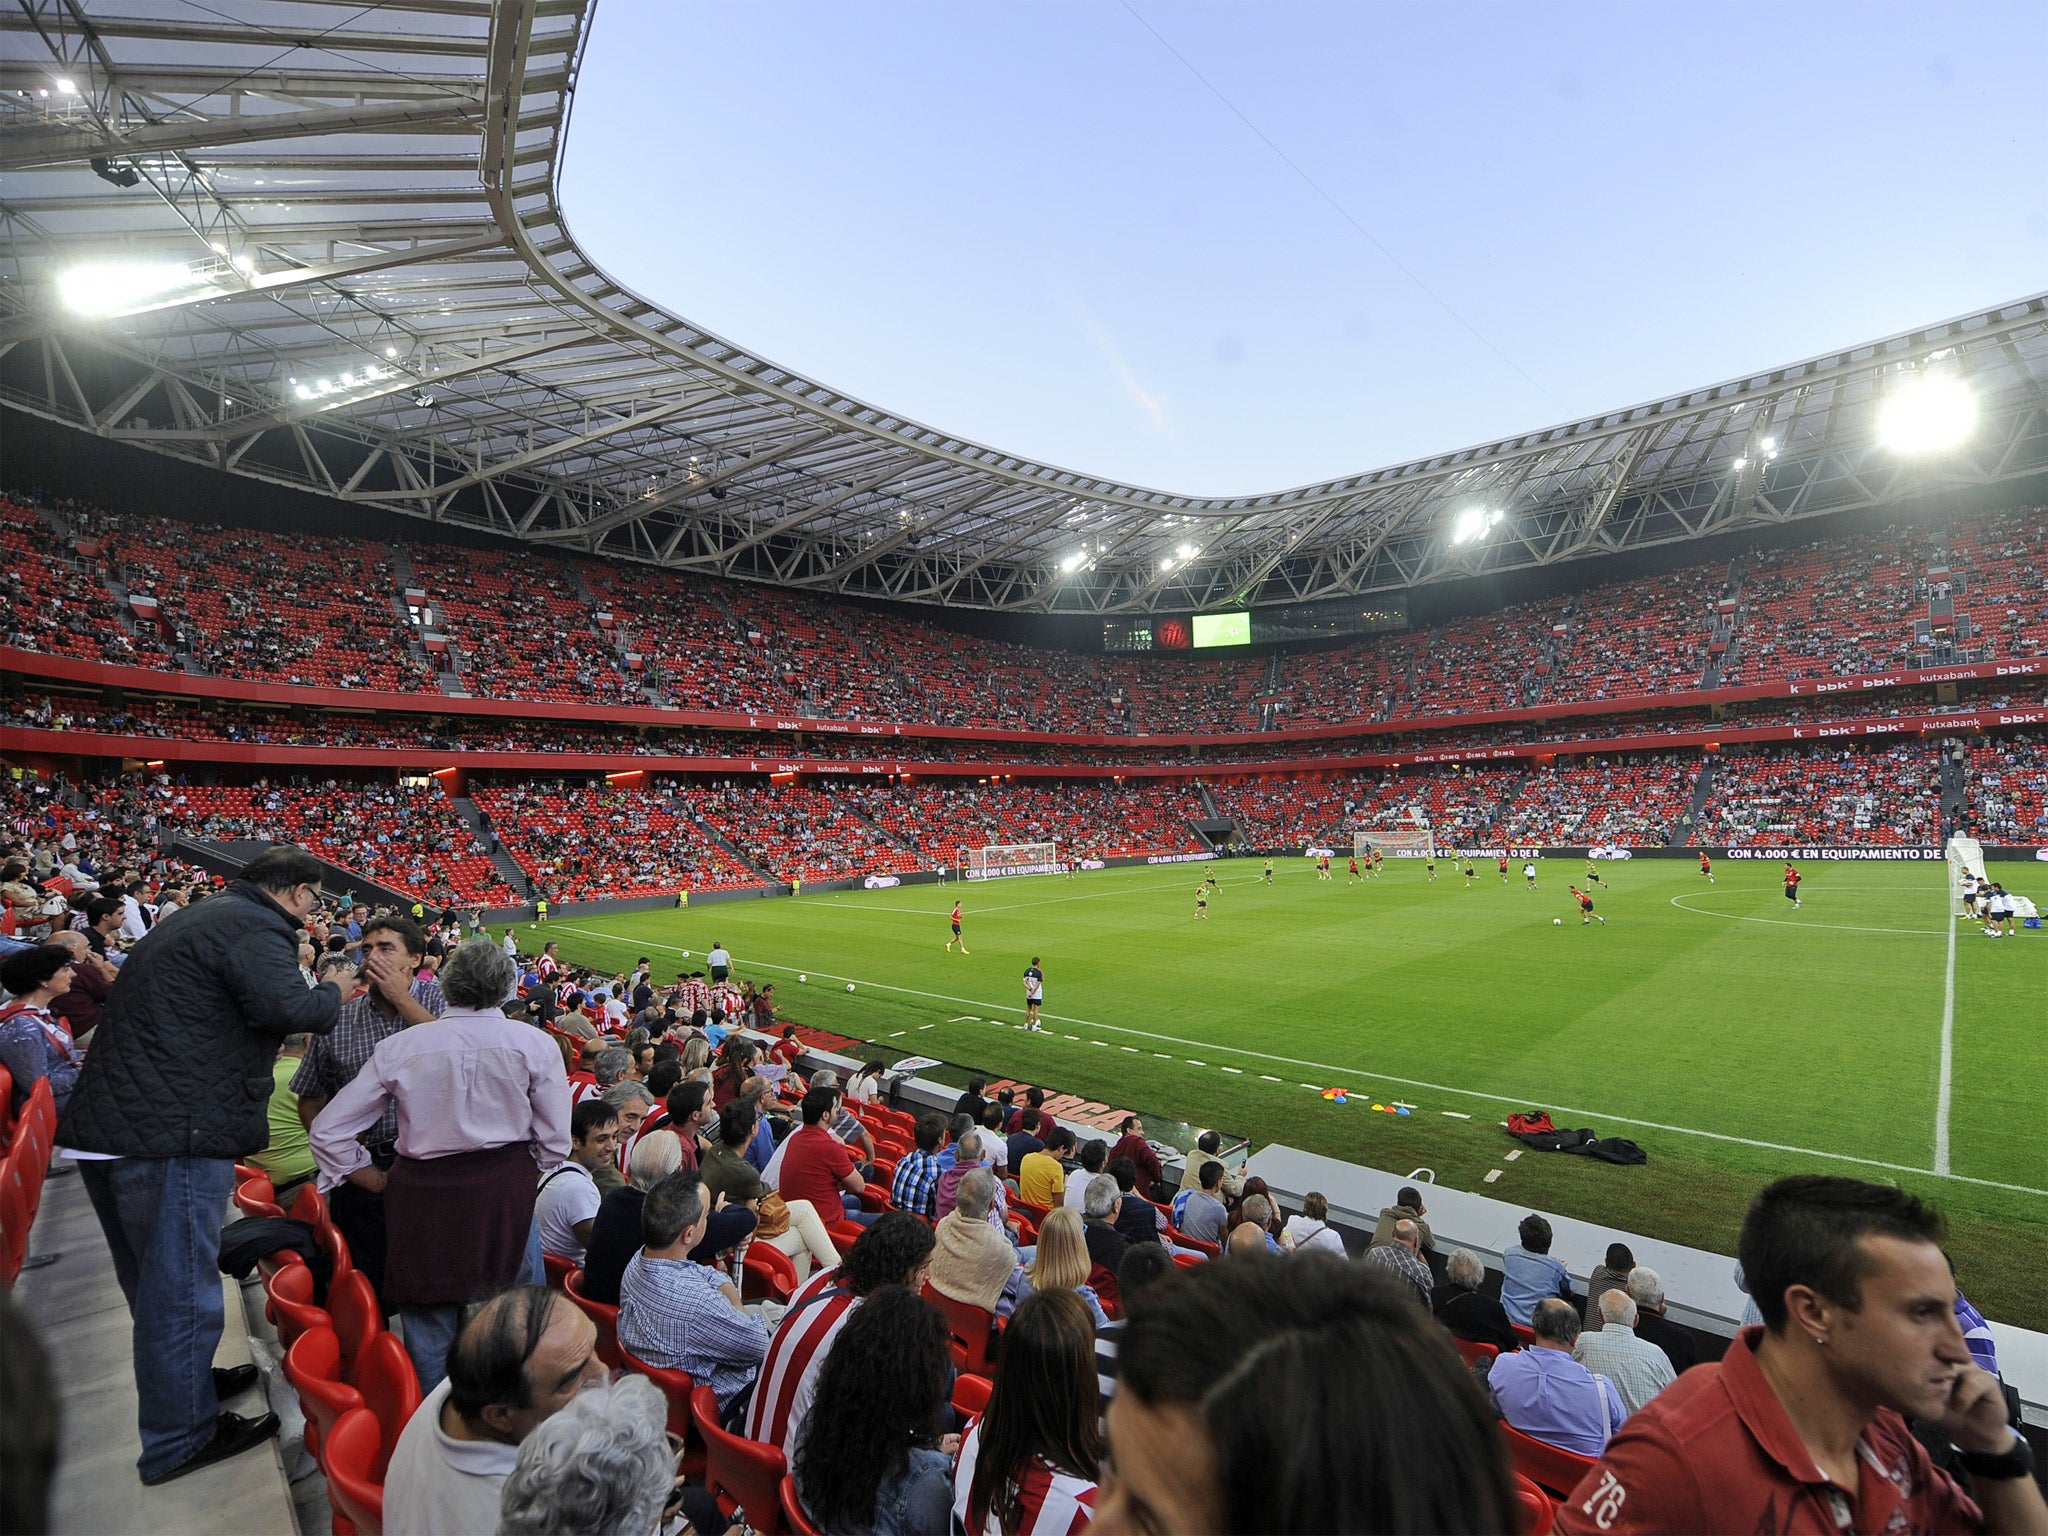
column 1061, row 1264
column 1030, row 1462
column 868, row 1458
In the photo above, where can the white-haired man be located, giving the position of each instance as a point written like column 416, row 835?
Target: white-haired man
column 1633, row 1364
column 1646, row 1290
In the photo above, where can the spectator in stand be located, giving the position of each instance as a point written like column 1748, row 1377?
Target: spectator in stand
column 631, row 1102
column 91, row 977
column 677, row 1313
column 882, row 1469
column 845, row 1124
column 1145, row 1265
column 1207, row 1145
column 1635, row 1365
column 600, row 1467
column 967, row 1156
column 615, row 1232
column 519, row 1361
column 392, row 998
column 34, row 1042
column 971, row 1103
column 1094, row 1159
column 1311, row 1232
column 1030, row 1462
column 289, row 1157
column 1802, row 1424
column 1546, row 1394
column 1529, row 1273
column 1467, row 1310
column 1101, row 1209
column 995, row 1141
column 895, row 1251
column 973, row 1262
column 1401, row 1257
column 731, row 1178
column 194, row 1017
column 1041, row 1177
column 1024, row 1141
column 1203, row 1216
column 1138, row 1219
column 1060, row 1262
column 1131, row 1143
column 916, row 1186
column 1646, row 1290
column 1612, row 1275
column 1298, row 1395
column 1407, row 1206
column 816, row 1165
column 481, row 1102
column 567, row 1203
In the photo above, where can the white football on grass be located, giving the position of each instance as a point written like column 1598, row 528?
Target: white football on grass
column 1558, row 921
column 849, row 986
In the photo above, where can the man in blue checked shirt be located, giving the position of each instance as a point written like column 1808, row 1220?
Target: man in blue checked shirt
column 686, row 1316
column 916, row 1187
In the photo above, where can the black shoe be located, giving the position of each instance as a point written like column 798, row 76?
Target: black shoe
column 233, row 1380
column 232, row 1435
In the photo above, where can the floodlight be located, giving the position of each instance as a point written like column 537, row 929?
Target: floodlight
column 1072, row 562
column 1474, row 523
column 1186, row 551
column 113, row 287
column 66, row 87
column 1927, row 414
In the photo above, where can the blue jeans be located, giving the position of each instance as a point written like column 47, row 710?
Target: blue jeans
column 162, row 1217
column 430, row 1332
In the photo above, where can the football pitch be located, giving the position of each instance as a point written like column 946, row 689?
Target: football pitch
column 1735, row 1037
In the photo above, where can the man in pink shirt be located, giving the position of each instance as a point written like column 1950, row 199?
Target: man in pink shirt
column 483, row 1109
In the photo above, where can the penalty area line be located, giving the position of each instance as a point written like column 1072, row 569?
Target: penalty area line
column 1384, row 1077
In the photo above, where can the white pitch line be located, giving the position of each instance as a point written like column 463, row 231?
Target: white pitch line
column 1946, row 1077
column 1786, row 922
column 1265, row 1077
column 1519, row 1100
column 1238, row 1070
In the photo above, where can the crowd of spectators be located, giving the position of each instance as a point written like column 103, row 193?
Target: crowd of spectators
column 314, row 610
column 1636, row 800
column 1831, row 795
column 2008, row 790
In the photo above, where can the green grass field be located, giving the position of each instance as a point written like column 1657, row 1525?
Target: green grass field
column 1734, row 1037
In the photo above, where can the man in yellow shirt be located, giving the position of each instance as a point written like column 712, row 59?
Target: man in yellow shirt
column 1041, row 1176
column 288, row 1159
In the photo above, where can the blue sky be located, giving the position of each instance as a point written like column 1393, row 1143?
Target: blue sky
column 1034, row 225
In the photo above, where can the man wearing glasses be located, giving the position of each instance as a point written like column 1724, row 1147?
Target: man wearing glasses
column 175, row 1088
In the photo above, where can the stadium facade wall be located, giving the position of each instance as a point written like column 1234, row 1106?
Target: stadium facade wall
column 151, row 680
column 28, row 740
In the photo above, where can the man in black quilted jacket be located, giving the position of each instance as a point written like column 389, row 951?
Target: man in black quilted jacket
column 176, row 1087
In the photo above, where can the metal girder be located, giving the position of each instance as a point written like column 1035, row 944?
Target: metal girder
column 423, row 227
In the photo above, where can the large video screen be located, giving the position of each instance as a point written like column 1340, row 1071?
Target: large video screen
column 1222, row 629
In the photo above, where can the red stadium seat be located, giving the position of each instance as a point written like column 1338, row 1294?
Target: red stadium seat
column 350, row 1455
column 357, row 1317
column 256, row 1197
column 676, row 1387
column 559, row 1269
column 291, row 1308
column 793, row 1509
column 1555, row 1471
column 973, row 1329
column 971, row 1395
column 1473, row 1351
column 1537, row 1509
column 313, row 1366
column 744, row 1475
column 606, row 1318
column 390, row 1389
column 768, row 1272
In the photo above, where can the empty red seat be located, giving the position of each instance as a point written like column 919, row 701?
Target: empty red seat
column 1557, row 1472
column 744, row 1475
column 350, row 1454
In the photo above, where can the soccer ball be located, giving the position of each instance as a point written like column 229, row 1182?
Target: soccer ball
column 1557, row 921
column 803, row 978
column 849, row 986
column 686, row 954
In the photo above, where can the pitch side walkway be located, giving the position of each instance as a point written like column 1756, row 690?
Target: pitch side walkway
column 76, row 1309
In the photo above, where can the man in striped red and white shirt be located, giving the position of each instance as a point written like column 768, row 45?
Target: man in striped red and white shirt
column 894, row 1250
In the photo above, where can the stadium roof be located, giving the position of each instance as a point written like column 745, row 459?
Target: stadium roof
column 321, row 244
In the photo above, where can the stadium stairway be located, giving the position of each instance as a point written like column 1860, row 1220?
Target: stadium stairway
column 745, row 857
column 1724, row 627
column 501, row 861
column 228, row 859
column 1690, row 821
column 1955, row 792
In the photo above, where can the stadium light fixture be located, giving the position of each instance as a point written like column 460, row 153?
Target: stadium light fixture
column 1925, row 414
column 1072, row 562
column 115, row 287
column 66, row 86
column 1474, row 523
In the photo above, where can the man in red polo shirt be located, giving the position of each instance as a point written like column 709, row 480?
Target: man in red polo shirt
column 1801, row 1428
column 816, row 1165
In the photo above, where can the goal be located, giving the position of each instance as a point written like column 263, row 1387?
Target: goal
column 1965, row 857
column 1394, row 842
column 998, row 859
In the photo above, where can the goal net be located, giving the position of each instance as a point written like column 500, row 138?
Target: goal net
column 1965, row 857
column 998, row 859
column 1394, row 842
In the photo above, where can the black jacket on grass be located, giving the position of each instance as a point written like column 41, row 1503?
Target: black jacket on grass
column 181, row 1066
